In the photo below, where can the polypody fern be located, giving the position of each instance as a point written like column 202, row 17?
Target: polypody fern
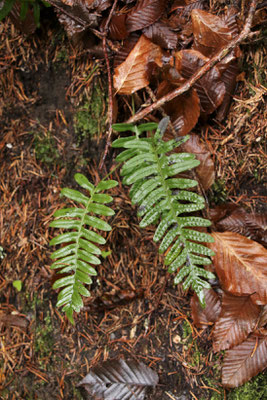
column 79, row 252
column 163, row 198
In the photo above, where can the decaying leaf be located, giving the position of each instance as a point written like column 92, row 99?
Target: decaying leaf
column 162, row 35
column 145, row 13
column 117, row 27
column 184, row 110
column 229, row 79
column 202, row 317
column 210, row 88
column 237, row 320
column 26, row 25
column 205, row 171
column 119, row 380
column 244, row 361
column 229, row 217
column 125, row 49
column 133, row 73
column 210, row 32
column 240, row 264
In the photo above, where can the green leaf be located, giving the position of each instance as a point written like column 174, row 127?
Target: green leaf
column 17, row 285
column 139, row 174
column 83, row 182
column 123, row 127
column 66, row 281
column 105, row 185
column 75, row 196
column 100, row 209
column 64, row 238
column 97, row 223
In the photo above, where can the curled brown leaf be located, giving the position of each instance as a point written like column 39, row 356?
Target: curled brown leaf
column 210, row 88
column 145, row 13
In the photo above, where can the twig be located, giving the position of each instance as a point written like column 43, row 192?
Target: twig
column 202, row 71
column 110, row 92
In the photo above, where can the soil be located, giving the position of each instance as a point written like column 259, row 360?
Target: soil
column 43, row 356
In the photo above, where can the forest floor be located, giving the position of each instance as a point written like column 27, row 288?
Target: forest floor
column 51, row 96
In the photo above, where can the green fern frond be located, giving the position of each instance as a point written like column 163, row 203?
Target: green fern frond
column 163, row 198
column 80, row 249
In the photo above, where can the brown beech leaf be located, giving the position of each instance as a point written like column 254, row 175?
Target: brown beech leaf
column 162, row 35
column 210, row 32
column 205, row 171
column 145, row 13
column 237, row 320
column 117, row 27
column 125, row 49
column 263, row 317
column 236, row 219
column 133, row 73
column 184, row 110
column 27, row 25
column 241, row 265
column 244, row 361
column 119, row 380
column 228, row 77
column 210, row 88
column 202, row 317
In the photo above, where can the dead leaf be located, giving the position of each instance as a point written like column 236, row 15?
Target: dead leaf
column 117, row 27
column 228, row 77
column 236, row 219
column 133, row 73
column 162, row 35
column 184, row 110
column 14, row 320
column 119, row 380
column 202, row 317
column 27, row 25
column 125, row 49
column 210, row 88
column 263, row 317
column 237, row 320
column 241, row 265
column 205, row 171
column 244, row 361
column 211, row 32
column 145, row 13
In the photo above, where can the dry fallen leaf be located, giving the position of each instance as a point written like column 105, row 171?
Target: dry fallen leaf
column 237, row 320
column 210, row 88
column 210, row 32
column 205, row 171
column 202, row 317
column 119, row 380
column 244, row 361
column 241, row 265
column 184, row 110
column 133, row 73
column 145, row 13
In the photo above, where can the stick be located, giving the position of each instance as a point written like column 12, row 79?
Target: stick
column 202, row 71
column 110, row 91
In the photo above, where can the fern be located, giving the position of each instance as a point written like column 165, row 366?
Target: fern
column 163, row 199
column 79, row 252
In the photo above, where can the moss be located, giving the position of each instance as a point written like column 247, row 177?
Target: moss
column 219, row 193
column 255, row 389
column 44, row 341
column 45, row 148
column 90, row 118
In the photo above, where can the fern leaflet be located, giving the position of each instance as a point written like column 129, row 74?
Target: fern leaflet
column 163, row 199
column 80, row 251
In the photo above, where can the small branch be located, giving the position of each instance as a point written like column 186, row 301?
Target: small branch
column 202, row 71
column 110, row 91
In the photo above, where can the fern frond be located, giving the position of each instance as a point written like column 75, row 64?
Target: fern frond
column 151, row 171
column 80, row 251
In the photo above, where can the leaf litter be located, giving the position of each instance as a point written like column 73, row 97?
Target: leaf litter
column 86, row 19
